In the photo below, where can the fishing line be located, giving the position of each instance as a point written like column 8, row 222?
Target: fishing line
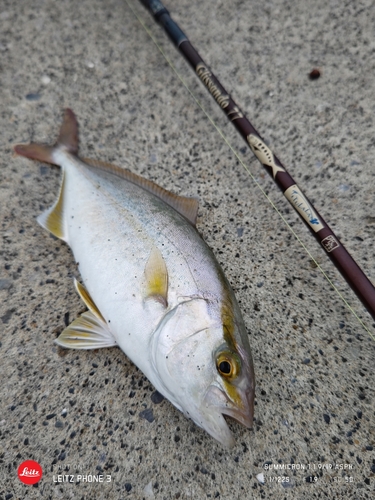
column 239, row 158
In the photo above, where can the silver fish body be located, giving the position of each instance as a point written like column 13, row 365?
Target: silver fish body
column 152, row 285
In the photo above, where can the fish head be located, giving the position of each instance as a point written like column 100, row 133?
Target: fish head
column 230, row 393
column 206, row 367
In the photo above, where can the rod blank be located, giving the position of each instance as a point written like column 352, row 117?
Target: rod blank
column 340, row 257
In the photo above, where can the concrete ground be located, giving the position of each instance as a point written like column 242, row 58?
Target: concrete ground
column 83, row 413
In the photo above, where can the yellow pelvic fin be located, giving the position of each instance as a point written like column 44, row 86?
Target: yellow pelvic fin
column 156, row 275
column 90, row 330
column 188, row 207
column 53, row 218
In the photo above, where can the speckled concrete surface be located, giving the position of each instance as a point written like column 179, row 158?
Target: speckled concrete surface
column 94, row 412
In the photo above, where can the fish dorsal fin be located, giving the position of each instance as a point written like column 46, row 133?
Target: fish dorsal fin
column 89, row 331
column 53, row 218
column 186, row 206
column 156, row 276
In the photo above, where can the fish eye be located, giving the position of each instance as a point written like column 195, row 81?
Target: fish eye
column 228, row 364
column 225, row 368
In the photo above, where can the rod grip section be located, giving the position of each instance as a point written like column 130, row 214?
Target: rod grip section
column 162, row 16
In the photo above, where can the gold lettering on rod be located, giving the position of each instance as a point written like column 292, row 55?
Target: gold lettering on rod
column 205, row 75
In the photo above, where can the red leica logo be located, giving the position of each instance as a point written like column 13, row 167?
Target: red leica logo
column 30, row 472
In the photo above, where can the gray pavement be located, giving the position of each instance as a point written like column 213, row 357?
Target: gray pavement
column 83, row 413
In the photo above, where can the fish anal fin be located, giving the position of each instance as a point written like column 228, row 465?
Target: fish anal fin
column 186, row 206
column 53, row 218
column 156, row 276
column 86, row 297
column 90, row 330
column 86, row 332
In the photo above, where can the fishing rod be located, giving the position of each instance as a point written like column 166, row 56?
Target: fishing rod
column 341, row 258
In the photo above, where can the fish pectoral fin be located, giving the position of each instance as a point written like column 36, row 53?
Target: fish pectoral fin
column 86, row 332
column 53, row 218
column 186, row 206
column 156, row 276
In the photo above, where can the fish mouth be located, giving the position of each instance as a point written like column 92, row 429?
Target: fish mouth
column 243, row 416
column 218, row 406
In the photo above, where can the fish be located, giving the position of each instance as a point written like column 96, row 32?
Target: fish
column 151, row 285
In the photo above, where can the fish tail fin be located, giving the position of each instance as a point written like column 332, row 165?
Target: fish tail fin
column 53, row 218
column 35, row 152
column 68, row 137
